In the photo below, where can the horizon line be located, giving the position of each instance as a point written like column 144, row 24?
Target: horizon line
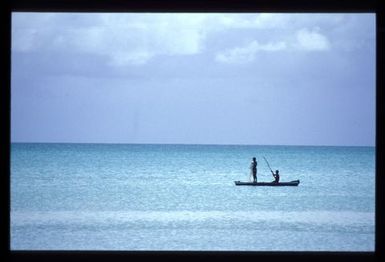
column 192, row 144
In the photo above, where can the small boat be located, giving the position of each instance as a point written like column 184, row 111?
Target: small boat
column 291, row 183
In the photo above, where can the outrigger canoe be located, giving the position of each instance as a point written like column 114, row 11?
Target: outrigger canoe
column 291, row 183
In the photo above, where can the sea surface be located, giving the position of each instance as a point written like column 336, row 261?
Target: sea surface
column 183, row 197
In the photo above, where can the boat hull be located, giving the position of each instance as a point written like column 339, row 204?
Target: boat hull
column 291, row 183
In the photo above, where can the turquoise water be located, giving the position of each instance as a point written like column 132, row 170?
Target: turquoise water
column 183, row 197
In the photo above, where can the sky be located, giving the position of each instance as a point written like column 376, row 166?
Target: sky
column 193, row 78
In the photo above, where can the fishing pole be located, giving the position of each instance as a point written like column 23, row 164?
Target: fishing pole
column 268, row 165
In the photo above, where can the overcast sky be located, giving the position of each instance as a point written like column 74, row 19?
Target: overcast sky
column 271, row 79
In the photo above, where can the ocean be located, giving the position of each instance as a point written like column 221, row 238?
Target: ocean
column 183, row 197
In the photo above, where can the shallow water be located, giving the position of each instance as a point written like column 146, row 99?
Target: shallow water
column 183, row 197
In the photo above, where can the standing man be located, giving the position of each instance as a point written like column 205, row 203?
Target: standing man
column 253, row 169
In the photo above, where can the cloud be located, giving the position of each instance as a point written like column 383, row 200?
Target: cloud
column 247, row 54
column 312, row 40
column 304, row 40
column 253, row 21
column 137, row 38
column 128, row 42
column 124, row 38
column 134, row 58
column 134, row 39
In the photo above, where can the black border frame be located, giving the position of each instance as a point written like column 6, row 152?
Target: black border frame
column 275, row 6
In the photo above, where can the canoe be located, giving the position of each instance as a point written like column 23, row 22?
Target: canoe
column 291, row 183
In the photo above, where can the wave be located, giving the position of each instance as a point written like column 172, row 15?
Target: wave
column 19, row 218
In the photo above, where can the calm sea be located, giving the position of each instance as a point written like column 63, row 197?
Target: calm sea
column 183, row 197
